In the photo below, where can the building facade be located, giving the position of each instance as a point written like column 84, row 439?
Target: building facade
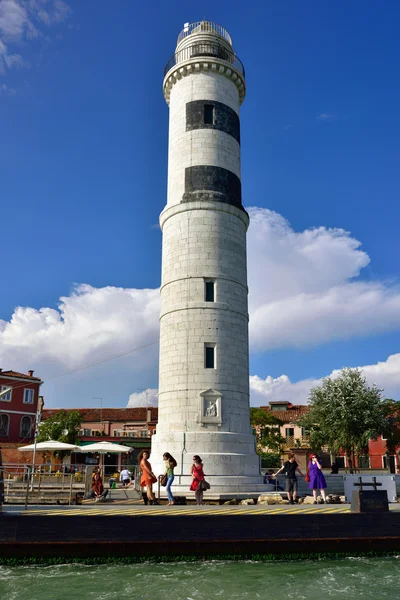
column 18, row 410
column 128, row 426
column 204, row 356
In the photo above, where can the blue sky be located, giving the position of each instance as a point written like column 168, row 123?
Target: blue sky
column 83, row 154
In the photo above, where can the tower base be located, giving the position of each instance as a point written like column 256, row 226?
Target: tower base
column 230, row 462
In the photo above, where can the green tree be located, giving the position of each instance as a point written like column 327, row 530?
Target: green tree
column 391, row 431
column 345, row 413
column 63, row 426
column 267, row 430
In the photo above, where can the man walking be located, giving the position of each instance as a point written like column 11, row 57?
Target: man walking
column 290, row 468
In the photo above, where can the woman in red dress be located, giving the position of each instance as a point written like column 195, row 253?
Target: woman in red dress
column 197, row 474
column 148, row 477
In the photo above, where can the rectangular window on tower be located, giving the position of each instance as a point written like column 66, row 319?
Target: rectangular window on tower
column 209, row 291
column 209, row 114
column 209, row 356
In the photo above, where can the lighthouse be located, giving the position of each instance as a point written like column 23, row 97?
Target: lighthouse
column 204, row 350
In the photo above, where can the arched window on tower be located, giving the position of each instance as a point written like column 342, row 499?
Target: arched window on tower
column 26, row 427
column 4, row 424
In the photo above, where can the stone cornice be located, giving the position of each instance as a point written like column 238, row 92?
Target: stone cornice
column 174, row 209
column 196, row 65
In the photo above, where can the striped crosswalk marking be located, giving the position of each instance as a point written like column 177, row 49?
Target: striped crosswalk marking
column 164, row 511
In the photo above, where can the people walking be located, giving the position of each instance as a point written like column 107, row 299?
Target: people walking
column 290, row 468
column 317, row 479
column 148, row 477
column 170, row 464
column 197, row 474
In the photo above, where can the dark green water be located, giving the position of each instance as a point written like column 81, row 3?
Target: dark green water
column 345, row 579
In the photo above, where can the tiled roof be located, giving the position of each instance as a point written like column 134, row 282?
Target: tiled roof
column 20, row 375
column 107, row 414
column 291, row 415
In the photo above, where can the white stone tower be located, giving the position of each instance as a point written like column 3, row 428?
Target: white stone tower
column 204, row 364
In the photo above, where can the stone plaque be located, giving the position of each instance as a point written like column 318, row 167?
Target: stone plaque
column 210, row 407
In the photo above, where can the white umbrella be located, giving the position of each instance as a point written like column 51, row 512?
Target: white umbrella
column 104, row 448
column 50, row 446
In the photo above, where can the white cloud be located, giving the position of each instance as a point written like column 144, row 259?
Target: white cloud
column 22, row 20
column 385, row 375
column 90, row 325
column 147, row 397
column 270, row 389
column 324, row 117
column 5, row 90
column 303, row 287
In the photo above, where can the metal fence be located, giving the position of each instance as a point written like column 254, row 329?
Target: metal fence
column 56, row 484
column 204, row 27
column 205, row 50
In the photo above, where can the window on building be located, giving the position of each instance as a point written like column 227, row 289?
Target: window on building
column 209, row 356
column 26, row 427
column 4, row 424
column 289, row 432
column 391, row 464
column 28, row 396
column 87, row 432
column 304, row 432
column 279, row 406
column 363, row 462
column 144, row 433
column 209, row 291
column 209, row 114
column 6, row 397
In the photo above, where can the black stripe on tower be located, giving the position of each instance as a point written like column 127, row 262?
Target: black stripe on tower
column 209, row 114
column 206, row 182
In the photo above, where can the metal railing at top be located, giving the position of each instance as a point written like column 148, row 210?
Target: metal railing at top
column 204, row 27
column 205, row 50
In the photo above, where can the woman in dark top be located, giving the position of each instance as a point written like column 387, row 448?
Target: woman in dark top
column 98, row 492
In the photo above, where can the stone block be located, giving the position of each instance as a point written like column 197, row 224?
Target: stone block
column 308, row 500
column 270, row 499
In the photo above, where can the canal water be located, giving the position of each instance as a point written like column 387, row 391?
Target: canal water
column 344, row 579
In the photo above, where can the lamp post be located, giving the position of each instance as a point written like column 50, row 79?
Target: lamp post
column 37, row 424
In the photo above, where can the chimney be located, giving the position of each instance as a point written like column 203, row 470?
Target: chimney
column 30, row 373
column 149, row 414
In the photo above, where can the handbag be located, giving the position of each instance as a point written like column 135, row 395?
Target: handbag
column 203, row 485
column 307, row 476
column 164, row 479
